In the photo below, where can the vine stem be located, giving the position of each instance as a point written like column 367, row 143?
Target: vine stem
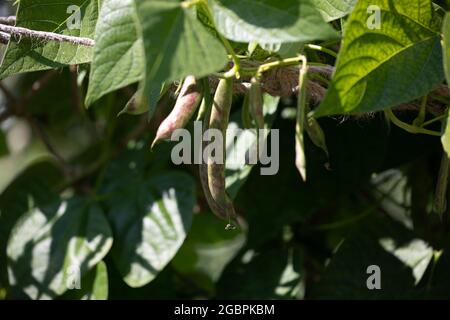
column 422, row 112
column 280, row 63
column 11, row 20
column 46, row 36
column 322, row 49
column 438, row 118
column 409, row 128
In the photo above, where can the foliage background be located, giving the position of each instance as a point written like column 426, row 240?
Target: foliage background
column 81, row 187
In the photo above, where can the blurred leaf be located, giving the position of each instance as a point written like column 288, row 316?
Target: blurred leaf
column 207, row 250
column 290, row 21
column 334, row 9
column 35, row 183
column 269, row 273
column 182, row 46
column 50, row 247
column 94, row 285
column 150, row 220
column 408, row 67
column 393, row 192
column 400, row 255
column 26, row 54
column 118, row 59
column 162, row 287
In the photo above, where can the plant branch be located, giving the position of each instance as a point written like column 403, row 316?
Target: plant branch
column 409, row 128
column 11, row 20
column 438, row 118
column 4, row 38
column 46, row 36
column 322, row 49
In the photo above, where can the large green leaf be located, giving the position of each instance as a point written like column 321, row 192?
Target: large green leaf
column 400, row 255
column 270, row 21
column 266, row 273
column 52, row 246
column 176, row 44
column 118, row 53
column 150, row 219
column 207, row 250
column 381, row 68
column 16, row 163
column 49, row 15
column 34, row 183
column 446, row 48
column 93, row 286
column 334, row 9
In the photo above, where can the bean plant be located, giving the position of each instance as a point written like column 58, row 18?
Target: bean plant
column 348, row 99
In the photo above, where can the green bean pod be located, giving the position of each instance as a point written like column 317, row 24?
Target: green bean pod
column 220, row 114
column 185, row 106
column 203, row 167
column 316, row 134
column 256, row 103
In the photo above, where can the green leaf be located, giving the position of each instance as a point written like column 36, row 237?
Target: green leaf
column 15, row 164
column 28, row 54
column 334, row 9
column 446, row 47
column 270, row 21
column 35, row 183
column 207, row 250
column 93, row 286
column 50, row 248
column 150, row 222
column 267, row 273
column 409, row 66
column 118, row 54
column 180, row 47
column 400, row 255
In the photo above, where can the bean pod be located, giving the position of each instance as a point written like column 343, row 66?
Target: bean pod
column 185, row 106
column 220, row 113
column 256, row 103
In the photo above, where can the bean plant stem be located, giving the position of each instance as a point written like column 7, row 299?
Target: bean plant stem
column 46, row 36
column 321, row 49
column 11, row 20
column 438, row 118
column 422, row 112
column 409, row 128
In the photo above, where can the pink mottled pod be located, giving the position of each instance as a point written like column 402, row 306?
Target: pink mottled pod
column 185, row 106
